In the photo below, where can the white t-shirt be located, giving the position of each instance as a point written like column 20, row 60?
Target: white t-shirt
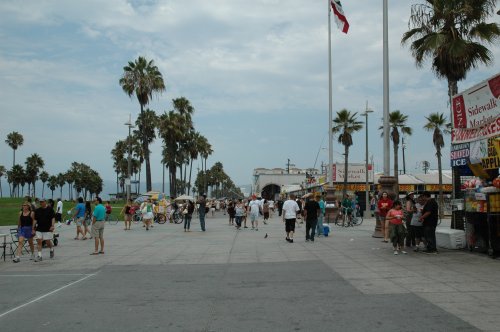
column 59, row 208
column 254, row 207
column 290, row 209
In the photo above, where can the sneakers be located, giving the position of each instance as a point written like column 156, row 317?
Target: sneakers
column 396, row 252
column 16, row 260
column 52, row 254
column 38, row 259
column 403, row 252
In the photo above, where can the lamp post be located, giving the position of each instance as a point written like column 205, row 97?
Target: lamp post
column 367, row 191
column 129, row 160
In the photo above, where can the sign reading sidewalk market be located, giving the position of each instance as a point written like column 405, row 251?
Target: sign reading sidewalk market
column 356, row 173
column 476, row 112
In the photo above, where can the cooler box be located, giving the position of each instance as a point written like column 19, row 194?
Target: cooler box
column 326, row 229
column 450, row 238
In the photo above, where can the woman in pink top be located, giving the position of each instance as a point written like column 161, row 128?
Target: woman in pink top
column 397, row 228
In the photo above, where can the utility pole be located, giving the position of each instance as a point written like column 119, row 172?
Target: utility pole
column 288, row 166
column 403, row 146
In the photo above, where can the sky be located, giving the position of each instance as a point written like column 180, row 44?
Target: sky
column 256, row 73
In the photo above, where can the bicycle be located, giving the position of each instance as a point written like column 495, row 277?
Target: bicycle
column 137, row 217
column 160, row 218
column 346, row 219
column 176, row 216
column 111, row 219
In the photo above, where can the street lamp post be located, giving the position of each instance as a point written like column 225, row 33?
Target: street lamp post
column 129, row 159
column 367, row 191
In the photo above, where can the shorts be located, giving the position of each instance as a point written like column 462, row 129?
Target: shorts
column 44, row 235
column 98, row 229
column 79, row 221
column 254, row 217
column 290, row 225
column 147, row 215
column 58, row 217
column 25, row 231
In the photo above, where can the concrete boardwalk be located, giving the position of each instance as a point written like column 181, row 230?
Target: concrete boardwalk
column 228, row 280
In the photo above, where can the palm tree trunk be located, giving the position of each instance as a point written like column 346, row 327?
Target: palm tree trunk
column 34, row 189
column 1, row 193
column 190, row 172
column 346, row 168
column 139, row 183
column 43, row 188
column 180, row 170
column 440, row 172
column 396, row 168
column 61, row 191
column 14, row 157
column 52, row 194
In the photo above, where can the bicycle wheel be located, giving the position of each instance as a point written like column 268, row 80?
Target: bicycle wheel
column 137, row 218
column 161, row 218
column 356, row 221
column 112, row 219
column 177, row 218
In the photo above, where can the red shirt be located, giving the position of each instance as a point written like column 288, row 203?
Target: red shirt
column 395, row 216
column 384, row 205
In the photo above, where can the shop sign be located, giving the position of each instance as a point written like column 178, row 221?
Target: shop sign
column 462, row 135
column 492, row 160
column 435, row 187
column 478, row 105
column 356, row 173
column 459, row 154
column 406, row 187
column 351, row 187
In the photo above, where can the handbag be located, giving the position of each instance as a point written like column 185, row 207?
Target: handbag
column 185, row 211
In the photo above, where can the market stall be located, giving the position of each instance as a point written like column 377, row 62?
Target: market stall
column 475, row 156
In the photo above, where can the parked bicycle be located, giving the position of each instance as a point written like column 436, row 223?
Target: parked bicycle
column 348, row 218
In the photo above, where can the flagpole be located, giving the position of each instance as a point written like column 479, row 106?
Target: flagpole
column 330, row 115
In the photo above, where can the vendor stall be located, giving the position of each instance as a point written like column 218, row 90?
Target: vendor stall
column 475, row 156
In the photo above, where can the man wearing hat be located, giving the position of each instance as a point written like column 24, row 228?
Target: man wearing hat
column 44, row 226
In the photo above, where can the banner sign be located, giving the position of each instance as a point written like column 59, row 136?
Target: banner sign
column 459, row 154
column 477, row 106
column 356, row 173
column 461, row 135
column 492, row 160
column 435, row 187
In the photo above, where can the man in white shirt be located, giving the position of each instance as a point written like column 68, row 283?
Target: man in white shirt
column 59, row 211
column 254, row 207
column 290, row 209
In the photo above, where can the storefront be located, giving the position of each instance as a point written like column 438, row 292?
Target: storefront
column 475, row 155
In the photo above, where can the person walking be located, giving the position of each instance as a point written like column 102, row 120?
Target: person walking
column 202, row 201
column 79, row 218
column 44, row 220
column 25, row 231
column 147, row 213
column 409, row 210
column 88, row 219
column 239, row 212
column 231, row 212
column 188, row 215
column 384, row 205
column 127, row 214
column 397, row 228
column 290, row 210
column 311, row 212
column 98, row 226
column 59, row 212
column 254, row 208
column 265, row 210
column 429, row 219
column 322, row 212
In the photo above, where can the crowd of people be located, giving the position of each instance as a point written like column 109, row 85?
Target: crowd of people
column 411, row 224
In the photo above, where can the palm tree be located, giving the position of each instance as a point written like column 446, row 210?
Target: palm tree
column 33, row 165
column 142, row 79
column 14, row 140
column 15, row 177
column 44, row 177
column 146, row 133
column 2, row 173
column 397, row 121
column 52, row 184
column 61, row 180
column 345, row 124
column 452, row 34
column 437, row 123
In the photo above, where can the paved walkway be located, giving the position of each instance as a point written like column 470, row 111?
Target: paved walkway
column 228, row 280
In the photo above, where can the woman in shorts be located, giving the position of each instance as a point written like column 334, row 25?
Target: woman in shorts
column 147, row 213
column 25, row 230
column 127, row 212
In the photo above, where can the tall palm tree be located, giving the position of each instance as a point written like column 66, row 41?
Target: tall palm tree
column 146, row 123
column 397, row 121
column 438, row 124
column 61, row 180
column 143, row 79
column 52, row 184
column 171, row 129
column 44, row 177
column 345, row 124
column 14, row 140
column 2, row 173
column 16, row 176
column 452, row 34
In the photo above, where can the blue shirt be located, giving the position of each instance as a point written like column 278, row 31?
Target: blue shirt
column 99, row 212
column 80, row 210
column 322, row 206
